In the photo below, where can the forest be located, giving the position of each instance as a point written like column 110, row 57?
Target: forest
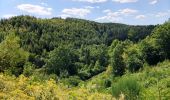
column 77, row 59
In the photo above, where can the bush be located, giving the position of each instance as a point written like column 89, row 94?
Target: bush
column 71, row 81
column 127, row 86
column 107, row 83
column 20, row 88
column 28, row 69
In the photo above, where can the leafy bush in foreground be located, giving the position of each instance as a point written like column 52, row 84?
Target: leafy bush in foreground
column 127, row 86
column 23, row 88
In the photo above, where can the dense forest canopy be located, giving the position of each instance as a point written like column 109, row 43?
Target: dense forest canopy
column 73, row 51
column 87, row 41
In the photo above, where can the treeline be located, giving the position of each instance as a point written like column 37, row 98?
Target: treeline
column 128, row 56
column 76, row 47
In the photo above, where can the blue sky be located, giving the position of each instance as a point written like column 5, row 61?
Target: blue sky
column 134, row 12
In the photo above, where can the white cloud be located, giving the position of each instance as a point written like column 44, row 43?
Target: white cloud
column 44, row 4
column 89, row 7
column 140, row 17
column 92, row 1
column 109, row 19
column 128, row 11
column 152, row 2
column 8, row 15
column 115, row 16
column 110, row 16
column 76, row 12
column 107, row 11
column 125, row 1
column 92, row 7
column 64, row 16
column 161, row 14
column 35, row 9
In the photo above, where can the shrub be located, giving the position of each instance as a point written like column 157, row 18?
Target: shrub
column 127, row 86
column 20, row 88
column 107, row 83
column 28, row 69
column 71, row 81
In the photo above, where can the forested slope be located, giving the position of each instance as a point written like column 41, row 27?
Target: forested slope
column 110, row 60
column 83, row 43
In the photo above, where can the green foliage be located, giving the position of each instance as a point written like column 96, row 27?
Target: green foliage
column 71, row 50
column 151, row 54
column 72, row 81
column 127, row 86
column 28, row 69
column 162, row 38
column 133, row 59
column 107, row 83
column 97, row 67
column 156, row 82
column 132, row 33
column 117, row 60
column 156, row 47
column 137, row 33
column 23, row 88
column 61, row 62
column 89, row 40
column 12, row 57
column 92, row 60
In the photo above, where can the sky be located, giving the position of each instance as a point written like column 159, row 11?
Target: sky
column 132, row 12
